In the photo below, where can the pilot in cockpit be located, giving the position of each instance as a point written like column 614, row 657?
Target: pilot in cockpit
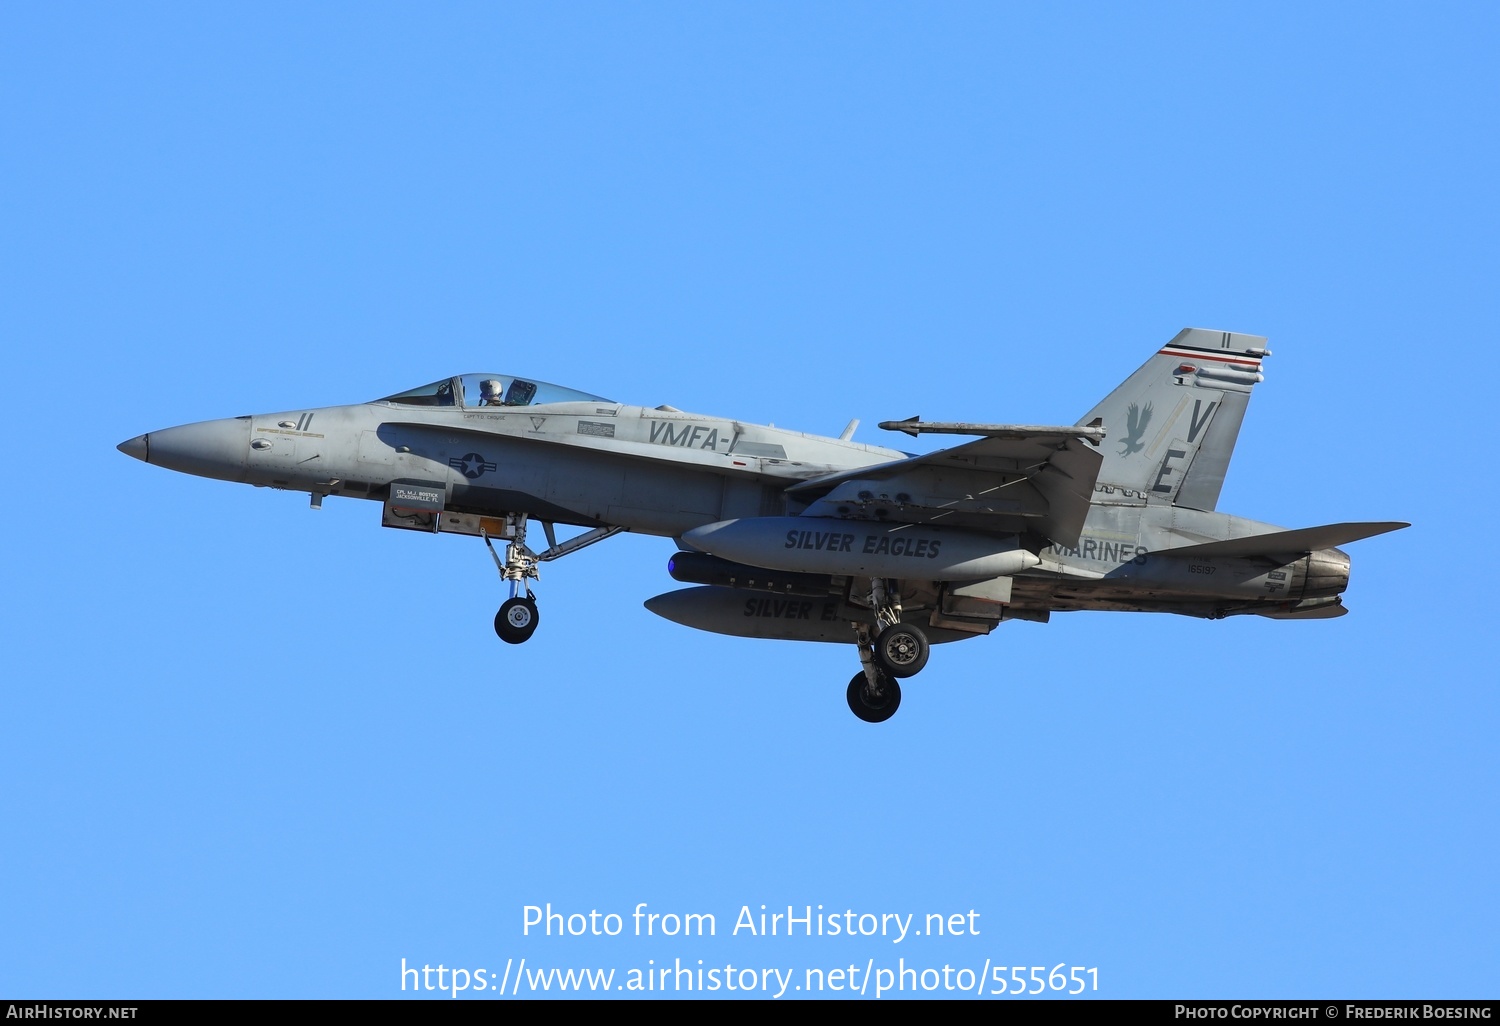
column 491, row 392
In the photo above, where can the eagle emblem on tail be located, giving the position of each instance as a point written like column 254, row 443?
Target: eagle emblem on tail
column 1136, row 421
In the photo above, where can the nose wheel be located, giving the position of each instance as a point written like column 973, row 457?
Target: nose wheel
column 516, row 620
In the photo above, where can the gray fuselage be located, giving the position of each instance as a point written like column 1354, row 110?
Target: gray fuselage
column 659, row 471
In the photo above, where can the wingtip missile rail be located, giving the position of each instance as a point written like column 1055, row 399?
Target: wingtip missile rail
column 915, row 426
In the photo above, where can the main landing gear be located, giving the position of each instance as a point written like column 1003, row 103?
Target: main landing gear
column 873, row 705
column 889, row 650
column 518, row 617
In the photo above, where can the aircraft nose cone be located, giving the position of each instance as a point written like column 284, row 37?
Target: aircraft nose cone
column 139, row 447
column 213, row 448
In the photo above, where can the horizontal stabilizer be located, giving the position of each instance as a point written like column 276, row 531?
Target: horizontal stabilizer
column 1307, row 539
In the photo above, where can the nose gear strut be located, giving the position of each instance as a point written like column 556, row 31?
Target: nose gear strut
column 517, row 619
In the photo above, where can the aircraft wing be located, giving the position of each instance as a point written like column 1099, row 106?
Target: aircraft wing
column 1013, row 481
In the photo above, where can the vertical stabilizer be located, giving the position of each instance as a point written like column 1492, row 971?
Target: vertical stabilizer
column 1173, row 424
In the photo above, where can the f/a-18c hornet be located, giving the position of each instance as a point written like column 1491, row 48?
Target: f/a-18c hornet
column 803, row 538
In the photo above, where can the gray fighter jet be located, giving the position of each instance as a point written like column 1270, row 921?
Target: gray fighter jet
column 802, row 538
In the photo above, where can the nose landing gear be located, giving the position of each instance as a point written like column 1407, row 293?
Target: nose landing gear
column 517, row 619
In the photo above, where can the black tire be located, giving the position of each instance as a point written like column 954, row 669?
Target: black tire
column 876, row 710
column 516, row 620
column 901, row 650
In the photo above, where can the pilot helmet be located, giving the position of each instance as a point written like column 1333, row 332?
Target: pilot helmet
column 490, row 389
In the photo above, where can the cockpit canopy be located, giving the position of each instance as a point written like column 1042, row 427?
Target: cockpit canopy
column 472, row 391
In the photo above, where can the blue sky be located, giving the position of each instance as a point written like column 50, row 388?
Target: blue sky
column 252, row 750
